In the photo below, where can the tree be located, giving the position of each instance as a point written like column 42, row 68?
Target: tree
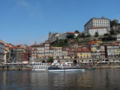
column 108, row 37
column 43, row 61
column 75, row 62
column 106, row 34
column 88, row 35
column 112, row 32
column 96, row 34
column 79, row 35
column 70, row 36
column 82, row 35
column 76, row 31
column 60, row 43
column 114, row 22
column 50, row 59
column 118, row 31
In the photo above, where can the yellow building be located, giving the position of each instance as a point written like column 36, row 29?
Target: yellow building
column 84, row 55
column 117, row 52
column 93, row 49
column 65, row 55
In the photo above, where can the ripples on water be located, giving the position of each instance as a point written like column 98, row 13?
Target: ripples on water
column 89, row 80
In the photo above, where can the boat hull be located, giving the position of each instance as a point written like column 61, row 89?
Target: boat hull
column 39, row 70
column 66, row 70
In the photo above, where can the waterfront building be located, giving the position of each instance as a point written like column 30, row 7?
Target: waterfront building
column 116, row 43
column 112, row 51
column 99, row 25
column 71, row 53
column 84, row 55
column 57, row 52
column 47, row 49
column 2, row 47
column 28, row 50
column 118, row 37
column 25, row 58
column 98, row 52
column 18, row 54
column 65, row 54
column 38, row 53
column 8, row 53
column 41, row 52
column 51, row 52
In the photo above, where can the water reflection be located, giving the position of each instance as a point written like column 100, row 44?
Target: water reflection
column 89, row 80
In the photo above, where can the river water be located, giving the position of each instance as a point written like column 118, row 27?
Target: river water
column 104, row 79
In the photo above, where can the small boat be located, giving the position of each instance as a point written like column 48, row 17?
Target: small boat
column 59, row 69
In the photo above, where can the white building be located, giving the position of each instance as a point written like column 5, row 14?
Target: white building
column 100, row 25
column 2, row 47
column 101, row 31
column 118, row 37
column 38, row 53
column 113, row 51
column 57, row 52
column 41, row 52
column 47, row 50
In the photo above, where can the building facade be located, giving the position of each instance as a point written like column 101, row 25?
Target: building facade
column 56, row 36
column 41, row 52
column 57, row 52
column 100, row 25
column 118, row 37
column 2, row 47
column 84, row 55
column 38, row 53
column 19, row 54
column 112, row 51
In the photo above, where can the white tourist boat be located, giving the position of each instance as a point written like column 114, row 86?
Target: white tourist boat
column 39, row 67
column 57, row 69
column 66, row 66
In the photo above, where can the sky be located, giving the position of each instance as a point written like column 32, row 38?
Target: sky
column 27, row 21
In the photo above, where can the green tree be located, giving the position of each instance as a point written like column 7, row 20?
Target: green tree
column 88, row 35
column 118, row 31
column 70, row 36
column 60, row 43
column 108, row 37
column 112, row 32
column 79, row 36
column 96, row 34
column 76, row 31
column 114, row 22
column 106, row 34
column 82, row 35
column 50, row 59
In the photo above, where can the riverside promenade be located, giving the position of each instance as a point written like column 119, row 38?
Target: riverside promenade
column 16, row 67
column 29, row 67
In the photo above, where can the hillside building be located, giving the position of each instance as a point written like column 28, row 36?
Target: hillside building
column 100, row 25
